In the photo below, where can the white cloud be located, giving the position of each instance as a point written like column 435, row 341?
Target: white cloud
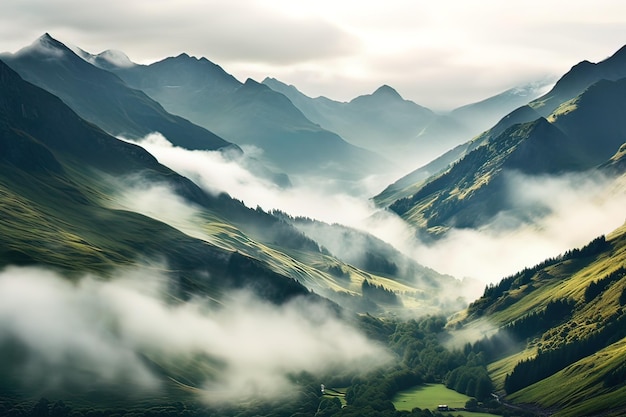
column 331, row 201
column 95, row 332
column 565, row 211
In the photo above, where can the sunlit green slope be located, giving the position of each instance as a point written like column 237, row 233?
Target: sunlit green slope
column 572, row 359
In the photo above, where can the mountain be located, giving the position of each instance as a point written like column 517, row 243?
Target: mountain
column 580, row 134
column 251, row 114
column 69, row 172
column 578, row 78
column 482, row 114
column 408, row 185
column 400, row 129
column 52, row 175
column 103, row 98
column 474, row 189
column 561, row 324
column 383, row 122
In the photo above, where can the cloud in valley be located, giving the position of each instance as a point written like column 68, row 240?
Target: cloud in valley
column 92, row 333
column 319, row 198
column 553, row 214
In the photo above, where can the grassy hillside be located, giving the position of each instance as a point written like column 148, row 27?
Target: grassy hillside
column 580, row 349
column 63, row 179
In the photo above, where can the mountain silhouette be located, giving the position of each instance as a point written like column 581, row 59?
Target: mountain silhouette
column 103, row 98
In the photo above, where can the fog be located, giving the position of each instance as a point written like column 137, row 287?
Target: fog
column 551, row 214
column 90, row 332
column 319, row 198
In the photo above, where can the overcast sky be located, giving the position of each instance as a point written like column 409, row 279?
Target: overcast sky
column 440, row 54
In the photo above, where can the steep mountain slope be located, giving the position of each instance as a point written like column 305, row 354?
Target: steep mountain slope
column 251, row 114
column 562, row 325
column 572, row 84
column 412, row 182
column 581, row 76
column 54, row 206
column 102, row 98
column 579, row 135
column 383, row 122
column 69, row 184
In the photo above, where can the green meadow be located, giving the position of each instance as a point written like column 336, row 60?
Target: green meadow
column 429, row 396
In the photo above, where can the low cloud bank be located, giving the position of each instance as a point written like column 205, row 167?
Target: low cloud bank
column 551, row 214
column 327, row 200
column 92, row 333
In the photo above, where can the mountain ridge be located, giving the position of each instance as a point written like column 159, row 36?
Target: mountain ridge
column 249, row 113
column 103, row 98
column 589, row 130
column 568, row 309
column 59, row 156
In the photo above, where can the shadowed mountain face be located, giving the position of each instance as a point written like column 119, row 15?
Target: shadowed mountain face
column 251, row 114
column 103, row 98
column 581, row 76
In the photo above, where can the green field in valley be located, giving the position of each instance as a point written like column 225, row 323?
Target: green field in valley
column 429, row 396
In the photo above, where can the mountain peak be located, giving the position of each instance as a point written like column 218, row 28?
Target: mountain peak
column 250, row 83
column 45, row 45
column 45, row 37
column 386, row 91
column 116, row 58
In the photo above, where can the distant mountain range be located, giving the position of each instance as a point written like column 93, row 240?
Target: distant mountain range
column 251, row 114
column 400, row 129
column 296, row 135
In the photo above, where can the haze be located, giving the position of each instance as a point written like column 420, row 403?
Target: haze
column 439, row 54
column 98, row 333
column 550, row 216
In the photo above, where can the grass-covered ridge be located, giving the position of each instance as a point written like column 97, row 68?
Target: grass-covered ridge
column 580, row 349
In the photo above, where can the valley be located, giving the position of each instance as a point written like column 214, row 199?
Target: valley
column 175, row 242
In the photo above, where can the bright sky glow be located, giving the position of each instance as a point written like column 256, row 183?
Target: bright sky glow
column 441, row 54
